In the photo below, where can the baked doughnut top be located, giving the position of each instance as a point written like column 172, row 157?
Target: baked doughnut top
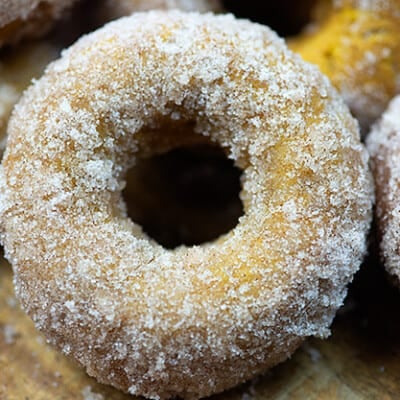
column 193, row 320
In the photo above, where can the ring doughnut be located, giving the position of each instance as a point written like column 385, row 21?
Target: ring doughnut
column 356, row 43
column 384, row 146
column 191, row 321
column 28, row 18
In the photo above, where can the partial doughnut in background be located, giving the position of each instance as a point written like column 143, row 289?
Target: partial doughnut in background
column 29, row 18
column 356, row 43
column 384, row 146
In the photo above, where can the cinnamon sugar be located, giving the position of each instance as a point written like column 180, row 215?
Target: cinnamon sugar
column 194, row 320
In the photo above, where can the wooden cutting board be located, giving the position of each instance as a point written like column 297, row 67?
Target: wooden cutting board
column 361, row 360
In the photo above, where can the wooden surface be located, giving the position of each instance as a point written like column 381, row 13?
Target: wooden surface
column 361, row 360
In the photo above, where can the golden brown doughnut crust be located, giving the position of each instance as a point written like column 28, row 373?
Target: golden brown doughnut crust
column 384, row 146
column 28, row 18
column 191, row 321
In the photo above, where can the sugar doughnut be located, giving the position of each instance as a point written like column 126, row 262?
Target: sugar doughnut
column 196, row 320
column 357, row 44
column 384, row 146
column 28, row 18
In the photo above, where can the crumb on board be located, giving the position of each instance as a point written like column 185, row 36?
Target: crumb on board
column 87, row 394
column 10, row 334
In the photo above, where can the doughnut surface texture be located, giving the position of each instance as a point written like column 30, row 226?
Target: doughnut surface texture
column 28, row 18
column 384, row 146
column 191, row 321
column 17, row 68
column 356, row 43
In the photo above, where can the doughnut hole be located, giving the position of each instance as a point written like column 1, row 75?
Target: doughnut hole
column 286, row 17
column 185, row 196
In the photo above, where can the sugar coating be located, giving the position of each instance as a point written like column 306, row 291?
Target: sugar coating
column 17, row 69
column 384, row 146
column 28, row 18
column 357, row 44
column 197, row 320
column 87, row 394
